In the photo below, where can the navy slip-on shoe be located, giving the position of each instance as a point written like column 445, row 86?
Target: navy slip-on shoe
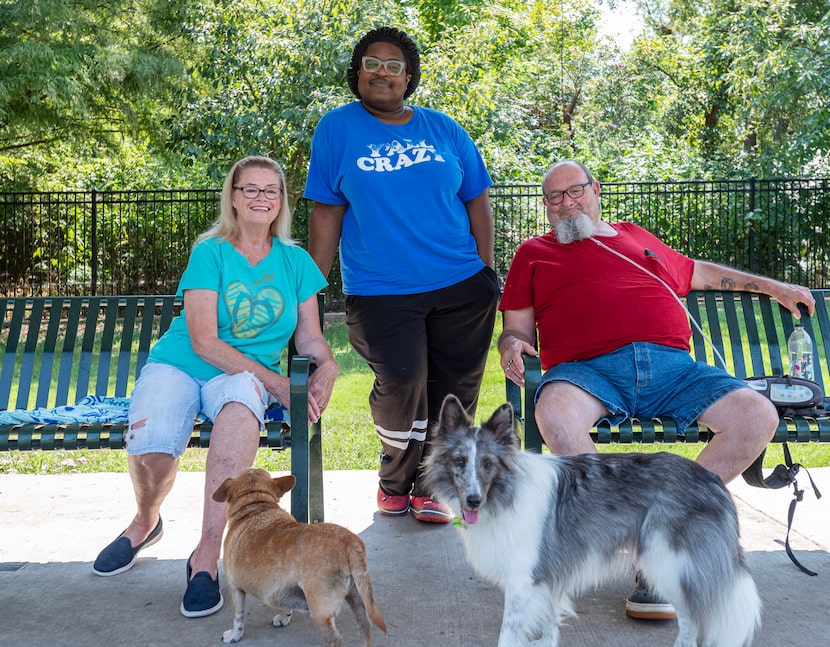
column 120, row 555
column 202, row 597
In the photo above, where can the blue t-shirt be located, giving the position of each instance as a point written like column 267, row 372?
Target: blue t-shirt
column 405, row 229
column 257, row 309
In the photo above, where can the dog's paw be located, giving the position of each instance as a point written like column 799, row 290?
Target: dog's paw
column 282, row 619
column 232, row 635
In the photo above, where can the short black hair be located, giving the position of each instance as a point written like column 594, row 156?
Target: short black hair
column 397, row 38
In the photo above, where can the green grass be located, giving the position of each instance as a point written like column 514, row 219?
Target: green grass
column 349, row 439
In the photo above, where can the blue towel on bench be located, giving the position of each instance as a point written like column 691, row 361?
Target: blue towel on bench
column 90, row 409
column 94, row 409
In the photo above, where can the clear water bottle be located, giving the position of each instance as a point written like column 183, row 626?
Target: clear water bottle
column 800, row 347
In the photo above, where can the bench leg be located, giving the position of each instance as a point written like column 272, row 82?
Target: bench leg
column 299, row 468
column 306, row 449
column 533, row 376
column 315, row 474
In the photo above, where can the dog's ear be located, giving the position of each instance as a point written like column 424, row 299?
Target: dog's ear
column 453, row 414
column 221, row 494
column 501, row 424
column 283, row 484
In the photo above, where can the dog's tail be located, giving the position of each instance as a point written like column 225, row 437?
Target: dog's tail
column 360, row 574
column 736, row 617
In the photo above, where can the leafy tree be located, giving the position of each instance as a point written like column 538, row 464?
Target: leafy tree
column 269, row 71
column 739, row 88
column 80, row 78
column 155, row 92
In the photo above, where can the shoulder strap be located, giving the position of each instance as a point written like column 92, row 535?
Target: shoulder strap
column 782, row 476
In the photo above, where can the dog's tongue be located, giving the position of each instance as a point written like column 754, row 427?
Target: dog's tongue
column 470, row 516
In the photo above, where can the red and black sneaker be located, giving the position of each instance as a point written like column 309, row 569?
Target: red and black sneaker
column 392, row 504
column 426, row 509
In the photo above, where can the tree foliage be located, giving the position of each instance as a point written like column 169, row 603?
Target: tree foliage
column 736, row 88
column 267, row 73
column 79, row 79
column 157, row 92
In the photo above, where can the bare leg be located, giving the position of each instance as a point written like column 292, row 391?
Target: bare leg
column 565, row 415
column 743, row 423
column 152, row 476
column 233, row 445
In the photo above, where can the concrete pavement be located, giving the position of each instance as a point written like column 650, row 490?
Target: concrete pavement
column 52, row 527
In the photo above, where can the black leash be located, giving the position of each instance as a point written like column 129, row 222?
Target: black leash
column 782, row 476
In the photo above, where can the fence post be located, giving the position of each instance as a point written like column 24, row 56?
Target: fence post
column 754, row 224
column 94, row 232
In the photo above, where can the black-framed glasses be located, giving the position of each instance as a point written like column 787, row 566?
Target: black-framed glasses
column 252, row 192
column 393, row 66
column 576, row 191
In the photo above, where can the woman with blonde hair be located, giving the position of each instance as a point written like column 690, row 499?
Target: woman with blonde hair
column 246, row 289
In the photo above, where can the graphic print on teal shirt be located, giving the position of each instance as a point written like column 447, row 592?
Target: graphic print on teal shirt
column 253, row 309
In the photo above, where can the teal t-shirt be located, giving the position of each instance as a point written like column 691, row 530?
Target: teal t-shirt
column 257, row 309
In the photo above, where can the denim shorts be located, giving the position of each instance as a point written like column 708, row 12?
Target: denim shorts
column 168, row 400
column 647, row 380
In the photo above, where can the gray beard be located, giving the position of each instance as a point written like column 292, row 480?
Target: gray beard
column 573, row 229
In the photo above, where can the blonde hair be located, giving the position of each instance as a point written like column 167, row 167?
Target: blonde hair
column 226, row 226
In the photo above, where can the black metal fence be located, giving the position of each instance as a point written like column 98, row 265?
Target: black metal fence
column 137, row 242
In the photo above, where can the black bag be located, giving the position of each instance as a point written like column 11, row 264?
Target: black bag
column 791, row 395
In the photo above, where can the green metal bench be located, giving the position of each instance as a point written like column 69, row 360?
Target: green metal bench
column 750, row 331
column 56, row 350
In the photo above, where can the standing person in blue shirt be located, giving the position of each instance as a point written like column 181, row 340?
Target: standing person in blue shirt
column 403, row 191
column 247, row 288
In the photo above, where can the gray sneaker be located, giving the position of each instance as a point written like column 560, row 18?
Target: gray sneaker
column 644, row 604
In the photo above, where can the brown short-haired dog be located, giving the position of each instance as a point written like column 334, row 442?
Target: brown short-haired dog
column 291, row 566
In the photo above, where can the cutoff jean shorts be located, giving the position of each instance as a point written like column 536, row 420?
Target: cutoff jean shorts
column 168, row 400
column 649, row 380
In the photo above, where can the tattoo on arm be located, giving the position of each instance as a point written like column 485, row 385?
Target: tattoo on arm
column 731, row 285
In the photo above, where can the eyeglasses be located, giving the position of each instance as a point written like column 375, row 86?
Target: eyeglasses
column 251, row 192
column 576, row 191
column 392, row 66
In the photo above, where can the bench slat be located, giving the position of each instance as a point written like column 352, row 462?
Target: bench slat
column 47, row 360
column 104, row 353
column 24, row 383
column 756, row 357
column 85, row 362
column 122, row 372
column 67, row 355
column 772, row 337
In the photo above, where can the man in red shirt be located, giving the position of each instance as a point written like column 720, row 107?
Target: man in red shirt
column 614, row 337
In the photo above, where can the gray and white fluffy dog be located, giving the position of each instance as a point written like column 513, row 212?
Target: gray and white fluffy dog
column 546, row 528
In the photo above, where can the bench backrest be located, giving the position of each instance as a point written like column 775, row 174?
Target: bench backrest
column 56, row 350
column 751, row 331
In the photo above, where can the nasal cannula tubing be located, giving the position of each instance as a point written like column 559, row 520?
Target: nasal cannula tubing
column 672, row 292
